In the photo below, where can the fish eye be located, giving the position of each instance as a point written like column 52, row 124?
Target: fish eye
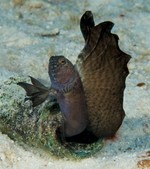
column 62, row 61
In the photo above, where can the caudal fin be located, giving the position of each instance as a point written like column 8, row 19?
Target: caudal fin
column 36, row 92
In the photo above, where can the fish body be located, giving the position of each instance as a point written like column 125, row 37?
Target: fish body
column 70, row 95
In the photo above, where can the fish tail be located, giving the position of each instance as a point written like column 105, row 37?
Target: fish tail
column 36, row 92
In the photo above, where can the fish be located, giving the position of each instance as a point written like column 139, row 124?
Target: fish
column 66, row 81
column 89, row 93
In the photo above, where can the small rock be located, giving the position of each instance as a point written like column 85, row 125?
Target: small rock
column 141, row 84
column 49, row 164
column 18, row 2
column 54, row 32
column 19, row 158
column 2, row 157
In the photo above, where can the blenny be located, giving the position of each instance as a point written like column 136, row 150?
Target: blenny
column 89, row 93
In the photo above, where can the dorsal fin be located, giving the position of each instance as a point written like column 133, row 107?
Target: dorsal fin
column 103, row 70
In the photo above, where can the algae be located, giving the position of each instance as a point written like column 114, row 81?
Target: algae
column 36, row 127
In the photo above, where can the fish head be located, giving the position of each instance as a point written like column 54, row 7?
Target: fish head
column 61, row 71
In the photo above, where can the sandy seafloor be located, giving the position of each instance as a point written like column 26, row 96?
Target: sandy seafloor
column 24, row 50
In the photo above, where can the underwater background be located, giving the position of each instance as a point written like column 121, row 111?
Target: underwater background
column 33, row 30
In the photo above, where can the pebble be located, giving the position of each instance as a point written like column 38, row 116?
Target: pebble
column 54, row 32
column 2, row 157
